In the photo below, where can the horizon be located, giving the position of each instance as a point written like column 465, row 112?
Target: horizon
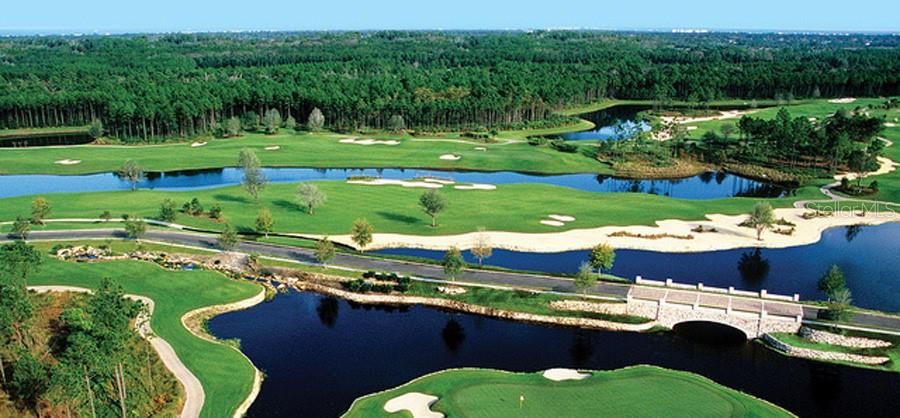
column 206, row 16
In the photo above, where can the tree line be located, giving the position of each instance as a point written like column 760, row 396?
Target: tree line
column 157, row 86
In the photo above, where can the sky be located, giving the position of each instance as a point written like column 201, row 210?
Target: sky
column 54, row 16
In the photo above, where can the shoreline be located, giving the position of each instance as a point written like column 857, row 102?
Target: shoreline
column 728, row 235
column 207, row 312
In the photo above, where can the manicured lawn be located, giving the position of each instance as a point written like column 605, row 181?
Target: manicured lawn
column 226, row 375
column 516, row 208
column 641, row 391
column 309, row 150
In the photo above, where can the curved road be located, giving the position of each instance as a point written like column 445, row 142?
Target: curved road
column 362, row 262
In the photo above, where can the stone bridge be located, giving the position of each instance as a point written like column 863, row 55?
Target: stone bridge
column 754, row 316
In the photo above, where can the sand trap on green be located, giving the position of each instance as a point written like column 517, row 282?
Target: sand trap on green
column 641, row 391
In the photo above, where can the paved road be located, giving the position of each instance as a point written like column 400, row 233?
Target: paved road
column 361, row 262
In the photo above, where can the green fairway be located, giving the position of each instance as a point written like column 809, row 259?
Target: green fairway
column 225, row 374
column 310, row 150
column 517, row 208
column 640, row 391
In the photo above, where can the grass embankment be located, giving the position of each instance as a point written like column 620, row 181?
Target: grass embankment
column 640, row 391
column 306, row 150
column 892, row 352
column 225, row 374
column 517, row 208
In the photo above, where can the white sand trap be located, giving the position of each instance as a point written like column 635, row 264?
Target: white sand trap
column 551, row 223
column 558, row 375
column 890, row 124
column 273, row 148
column 67, row 162
column 812, row 119
column 843, row 100
column 438, row 181
column 389, row 182
column 450, row 157
column 197, row 144
column 480, row 149
column 561, row 218
column 692, row 128
column 418, row 404
column 475, row 186
column 368, row 141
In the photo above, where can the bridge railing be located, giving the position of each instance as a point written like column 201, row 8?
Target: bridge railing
column 762, row 294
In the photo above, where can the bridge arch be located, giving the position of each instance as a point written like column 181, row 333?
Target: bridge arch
column 712, row 330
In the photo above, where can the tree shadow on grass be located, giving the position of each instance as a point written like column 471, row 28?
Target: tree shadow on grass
column 396, row 217
column 289, row 205
column 231, row 198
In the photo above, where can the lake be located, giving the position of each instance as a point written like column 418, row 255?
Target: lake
column 319, row 354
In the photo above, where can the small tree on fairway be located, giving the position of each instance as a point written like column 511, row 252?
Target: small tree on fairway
column 396, row 123
column 482, row 248
column 433, row 203
column 839, row 304
column 361, row 233
column 228, row 239
column 215, row 211
column 453, row 263
column 95, row 130
column 167, row 211
column 18, row 260
column 272, row 121
column 233, row 127
column 585, row 279
column 310, row 196
column 316, row 120
column 832, row 281
column 106, row 216
column 131, row 172
column 324, row 250
column 21, row 227
column 40, row 209
column 264, row 222
column 602, row 257
column 762, row 217
column 135, row 227
column 254, row 181
column 727, row 129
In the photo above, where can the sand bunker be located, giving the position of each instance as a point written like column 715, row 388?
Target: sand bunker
column 67, row 162
column 368, row 141
column 561, row 218
column 418, row 404
column 890, row 124
column 551, row 223
column 438, row 181
column 197, row 144
column 558, row 375
column 475, row 186
column 480, row 149
column 273, row 148
column 692, row 128
column 404, row 183
column 843, row 100
column 450, row 157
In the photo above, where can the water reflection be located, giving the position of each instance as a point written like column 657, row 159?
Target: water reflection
column 453, row 335
column 327, row 310
column 753, row 266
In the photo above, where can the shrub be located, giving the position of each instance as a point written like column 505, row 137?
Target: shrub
column 215, row 212
column 563, row 146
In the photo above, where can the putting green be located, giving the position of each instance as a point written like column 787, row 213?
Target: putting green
column 641, row 391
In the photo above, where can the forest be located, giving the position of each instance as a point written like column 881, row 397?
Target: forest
column 143, row 87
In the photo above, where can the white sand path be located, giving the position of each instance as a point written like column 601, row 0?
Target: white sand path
column 418, row 404
column 558, row 375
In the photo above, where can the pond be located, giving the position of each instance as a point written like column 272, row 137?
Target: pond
column 320, row 353
column 866, row 254
column 709, row 185
column 613, row 123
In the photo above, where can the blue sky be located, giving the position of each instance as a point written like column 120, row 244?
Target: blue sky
column 206, row 15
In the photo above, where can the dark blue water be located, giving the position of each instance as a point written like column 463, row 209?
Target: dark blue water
column 614, row 123
column 319, row 354
column 867, row 255
column 704, row 186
